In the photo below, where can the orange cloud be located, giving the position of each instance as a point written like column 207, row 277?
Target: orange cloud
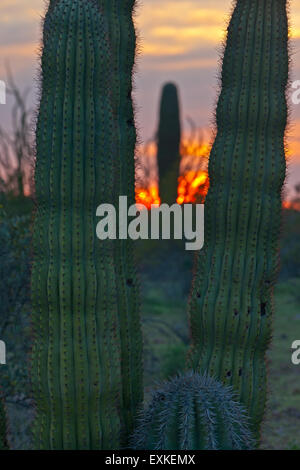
column 179, row 27
column 175, row 35
column 161, row 50
column 19, row 57
column 180, row 63
column 186, row 33
column 295, row 33
column 23, row 50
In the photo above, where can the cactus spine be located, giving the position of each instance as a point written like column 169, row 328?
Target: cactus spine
column 123, row 44
column 76, row 360
column 231, row 304
column 168, row 144
column 193, row 412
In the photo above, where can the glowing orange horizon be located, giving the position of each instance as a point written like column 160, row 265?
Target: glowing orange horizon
column 291, row 205
column 193, row 183
column 192, row 188
column 147, row 196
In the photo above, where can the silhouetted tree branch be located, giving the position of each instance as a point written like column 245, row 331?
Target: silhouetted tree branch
column 16, row 145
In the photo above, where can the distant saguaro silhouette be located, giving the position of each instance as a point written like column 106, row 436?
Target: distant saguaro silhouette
column 168, row 143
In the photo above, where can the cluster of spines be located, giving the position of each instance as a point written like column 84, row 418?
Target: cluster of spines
column 193, row 412
column 231, row 301
column 76, row 354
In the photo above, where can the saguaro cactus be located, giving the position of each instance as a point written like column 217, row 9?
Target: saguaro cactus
column 123, row 44
column 231, row 304
column 193, row 412
column 77, row 366
column 168, row 144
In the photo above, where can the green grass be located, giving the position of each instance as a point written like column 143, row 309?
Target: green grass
column 165, row 277
column 282, row 424
column 166, row 273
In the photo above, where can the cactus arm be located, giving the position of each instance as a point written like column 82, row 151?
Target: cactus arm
column 76, row 354
column 231, row 300
column 129, row 295
column 123, row 42
column 40, row 267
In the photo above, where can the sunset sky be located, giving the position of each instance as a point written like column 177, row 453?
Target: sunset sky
column 179, row 41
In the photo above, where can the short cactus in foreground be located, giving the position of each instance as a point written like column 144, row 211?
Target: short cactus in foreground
column 231, row 304
column 168, row 143
column 193, row 412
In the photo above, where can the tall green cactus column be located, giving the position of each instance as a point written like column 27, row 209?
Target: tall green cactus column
column 168, row 143
column 76, row 360
column 123, row 43
column 231, row 304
